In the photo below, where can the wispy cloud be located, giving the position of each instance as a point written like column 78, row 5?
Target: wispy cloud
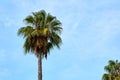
column 90, row 37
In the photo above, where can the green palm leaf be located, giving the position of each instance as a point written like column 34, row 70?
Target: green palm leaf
column 106, row 77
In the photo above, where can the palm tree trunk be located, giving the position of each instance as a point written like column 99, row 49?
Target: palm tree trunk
column 39, row 67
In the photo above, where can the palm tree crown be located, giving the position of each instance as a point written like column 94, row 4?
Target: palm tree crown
column 113, row 70
column 41, row 33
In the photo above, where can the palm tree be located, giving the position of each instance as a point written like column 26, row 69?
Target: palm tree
column 41, row 34
column 113, row 71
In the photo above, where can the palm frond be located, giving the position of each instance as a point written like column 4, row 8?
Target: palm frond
column 55, row 40
column 111, row 62
column 43, row 14
column 30, row 20
column 106, row 77
column 25, row 31
column 39, row 18
column 49, row 47
column 50, row 18
column 27, row 46
column 57, row 30
column 35, row 33
column 55, row 23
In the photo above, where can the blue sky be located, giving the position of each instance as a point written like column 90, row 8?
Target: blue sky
column 91, row 37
